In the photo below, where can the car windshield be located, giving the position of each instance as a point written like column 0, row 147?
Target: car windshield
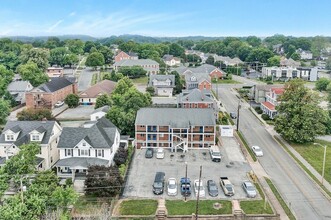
column 216, row 153
column 212, row 187
column 250, row 188
column 258, row 149
column 228, row 187
column 157, row 185
column 172, row 186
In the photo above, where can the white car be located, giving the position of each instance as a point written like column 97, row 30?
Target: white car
column 198, row 188
column 172, row 187
column 160, row 153
column 59, row 103
column 257, row 151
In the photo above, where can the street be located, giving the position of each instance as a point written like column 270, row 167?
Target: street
column 84, row 80
column 299, row 192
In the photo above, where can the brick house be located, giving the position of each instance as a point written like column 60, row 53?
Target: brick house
column 272, row 100
column 178, row 128
column 55, row 72
column 48, row 94
column 125, row 56
column 195, row 98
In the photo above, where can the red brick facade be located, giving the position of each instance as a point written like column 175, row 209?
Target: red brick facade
column 204, row 85
column 121, row 56
column 216, row 74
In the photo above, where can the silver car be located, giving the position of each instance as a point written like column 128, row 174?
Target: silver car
column 172, row 187
column 249, row 188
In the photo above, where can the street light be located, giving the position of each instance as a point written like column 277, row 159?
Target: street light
column 324, row 157
column 238, row 115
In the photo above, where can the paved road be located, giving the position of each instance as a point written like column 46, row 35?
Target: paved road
column 84, row 80
column 305, row 199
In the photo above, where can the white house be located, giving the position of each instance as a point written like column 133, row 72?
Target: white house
column 286, row 73
column 305, row 55
column 272, row 100
column 45, row 133
column 85, row 146
column 18, row 89
column 170, row 60
column 99, row 113
column 162, row 84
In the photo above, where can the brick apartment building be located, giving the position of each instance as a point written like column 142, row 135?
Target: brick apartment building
column 175, row 128
column 125, row 56
column 55, row 71
column 48, row 94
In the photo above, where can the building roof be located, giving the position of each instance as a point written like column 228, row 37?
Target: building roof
column 104, row 109
column 278, row 91
column 132, row 54
column 195, row 95
column 267, row 87
column 81, row 162
column 25, row 127
column 99, row 135
column 289, row 62
column 175, row 117
column 103, row 87
column 55, row 84
column 167, row 57
column 269, row 106
column 138, row 62
column 199, row 72
column 161, row 78
column 54, row 68
column 19, row 86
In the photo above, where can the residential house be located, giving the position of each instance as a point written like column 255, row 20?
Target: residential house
column 304, row 55
column 287, row 73
column 55, row 72
column 89, row 96
column 125, row 56
column 228, row 61
column 258, row 92
column 278, row 48
column 170, row 60
column 82, row 147
column 162, row 84
column 151, row 66
column 48, row 94
column 175, row 128
column 289, row 63
column 45, row 133
column 196, row 98
column 18, row 89
column 272, row 100
column 99, row 113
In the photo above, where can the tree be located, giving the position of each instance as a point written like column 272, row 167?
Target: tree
column 38, row 56
column 260, row 54
column 299, row 118
column 72, row 100
column 328, row 64
column 274, row 61
column 178, row 82
column 150, row 90
column 313, row 63
column 322, row 84
column 53, row 42
column 95, row 59
column 176, row 50
column 120, row 156
column 75, row 46
column 4, row 110
column 58, row 56
column 210, row 60
column 6, row 76
column 253, row 41
column 133, row 71
column 32, row 73
column 103, row 181
column 88, row 45
column 103, row 100
column 107, row 54
column 295, row 56
column 31, row 114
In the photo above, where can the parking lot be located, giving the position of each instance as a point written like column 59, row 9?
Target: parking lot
column 81, row 112
column 233, row 165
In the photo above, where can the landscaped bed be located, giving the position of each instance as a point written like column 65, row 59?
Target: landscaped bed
column 138, row 207
column 179, row 207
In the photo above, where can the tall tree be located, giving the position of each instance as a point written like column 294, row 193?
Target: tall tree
column 274, row 61
column 95, row 59
column 299, row 118
column 4, row 110
column 32, row 73
column 210, row 60
column 176, row 50
column 37, row 55
column 103, row 100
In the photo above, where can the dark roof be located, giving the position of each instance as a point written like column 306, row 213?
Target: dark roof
column 132, row 54
column 100, row 135
column 195, row 95
column 160, row 78
column 16, row 128
column 167, row 57
column 41, row 129
column 26, row 127
column 104, row 109
column 55, row 84
column 81, row 162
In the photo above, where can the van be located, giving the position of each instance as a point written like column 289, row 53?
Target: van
column 215, row 153
column 158, row 185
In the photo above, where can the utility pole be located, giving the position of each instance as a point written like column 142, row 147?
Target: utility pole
column 238, row 115
column 197, row 207
column 185, row 180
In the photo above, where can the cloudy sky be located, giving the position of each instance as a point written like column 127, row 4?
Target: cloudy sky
column 165, row 18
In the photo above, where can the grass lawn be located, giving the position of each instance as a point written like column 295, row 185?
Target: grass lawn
column 255, row 207
column 241, row 136
column 179, row 207
column 140, row 80
column 226, row 81
column 89, row 204
column 94, row 79
column 138, row 207
column 314, row 156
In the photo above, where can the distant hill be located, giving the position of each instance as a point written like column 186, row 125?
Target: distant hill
column 44, row 38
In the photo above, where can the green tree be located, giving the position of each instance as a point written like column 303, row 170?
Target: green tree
column 132, row 72
column 274, row 61
column 31, row 114
column 32, row 73
column 58, row 56
column 313, row 63
column 176, row 50
column 72, row 100
column 75, row 46
column 150, row 90
column 71, row 59
column 299, row 118
column 178, row 82
column 322, row 83
column 38, row 56
column 328, row 64
column 103, row 100
column 253, row 41
column 6, row 76
column 107, row 54
column 88, row 45
column 210, row 60
column 95, row 59
column 295, row 56
column 53, row 42
column 260, row 54
column 4, row 110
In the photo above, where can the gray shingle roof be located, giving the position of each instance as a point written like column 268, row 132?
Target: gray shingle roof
column 162, row 78
column 195, row 95
column 102, row 109
column 19, row 86
column 138, row 62
column 25, row 128
column 167, row 57
column 55, row 84
column 100, row 135
column 81, row 161
column 175, row 117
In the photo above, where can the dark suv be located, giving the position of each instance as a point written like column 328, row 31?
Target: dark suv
column 233, row 115
column 158, row 185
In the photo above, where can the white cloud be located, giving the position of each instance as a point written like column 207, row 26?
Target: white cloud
column 51, row 28
column 72, row 14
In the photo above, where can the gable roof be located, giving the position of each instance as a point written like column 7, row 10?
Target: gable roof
column 26, row 127
column 167, row 57
column 100, row 135
column 104, row 109
column 55, row 84
column 138, row 62
column 195, row 95
column 103, row 87
column 278, row 91
column 19, row 86
column 162, row 78
column 132, row 54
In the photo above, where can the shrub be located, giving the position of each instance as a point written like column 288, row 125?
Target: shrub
column 259, row 111
column 120, row 156
column 31, row 114
column 265, row 117
column 257, row 108
column 72, row 100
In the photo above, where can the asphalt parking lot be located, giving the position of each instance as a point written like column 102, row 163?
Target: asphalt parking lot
column 233, row 165
column 81, row 112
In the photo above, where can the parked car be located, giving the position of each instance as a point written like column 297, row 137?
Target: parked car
column 212, row 188
column 59, row 104
column 149, row 153
column 160, row 153
column 198, row 188
column 249, row 188
column 158, row 184
column 233, row 115
column 172, row 187
column 257, row 151
column 185, row 186
column 215, row 153
column 227, row 186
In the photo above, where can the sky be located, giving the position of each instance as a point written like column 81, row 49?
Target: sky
column 160, row 18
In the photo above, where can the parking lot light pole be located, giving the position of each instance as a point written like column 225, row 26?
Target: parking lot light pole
column 185, row 179
column 238, row 115
column 324, row 157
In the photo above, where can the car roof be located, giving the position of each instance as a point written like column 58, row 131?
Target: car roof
column 248, row 183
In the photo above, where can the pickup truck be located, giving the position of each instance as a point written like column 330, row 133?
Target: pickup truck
column 185, row 186
column 227, row 186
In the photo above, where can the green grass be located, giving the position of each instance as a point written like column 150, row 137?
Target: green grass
column 246, row 145
column 280, row 199
column 225, row 81
column 94, row 78
column 255, row 207
column 229, row 118
column 86, row 204
column 140, row 80
column 102, row 74
column 179, row 207
column 138, row 207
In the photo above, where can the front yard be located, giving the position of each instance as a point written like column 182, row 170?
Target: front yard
column 140, row 80
column 138, row 207
column 225, row 81
column 179, row 207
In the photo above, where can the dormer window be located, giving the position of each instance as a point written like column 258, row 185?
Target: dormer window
column 193, row 78
column 9, row 137
column 35, row 137
column 84, row 144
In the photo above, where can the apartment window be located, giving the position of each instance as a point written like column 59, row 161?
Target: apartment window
column 100, row 153
column 10, row 137
column 284, row 72
column 162, row 135
column 35, row 137
column 84, row 152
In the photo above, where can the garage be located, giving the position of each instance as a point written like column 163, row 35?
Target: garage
column 226, row 131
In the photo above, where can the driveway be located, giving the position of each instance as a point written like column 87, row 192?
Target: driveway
column 174, row 166
column 81, row 112
column 84, row 79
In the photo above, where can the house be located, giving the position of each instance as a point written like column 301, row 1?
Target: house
column 82, row 147
column 272, row 100
column 196, row 98
column 55, row 72
column 258, row 92
column 18, row 89
column 170, row 60
column 304, row 54
column 99, row 113
column 48, row 94
column 175, row 128
column 45, row 133
column 278, row 48
column 162, row 84
column 289, row 63
column 286, row 73
column 125, row 56
column 89, row 96
column 228, row 61
column 151, row 66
